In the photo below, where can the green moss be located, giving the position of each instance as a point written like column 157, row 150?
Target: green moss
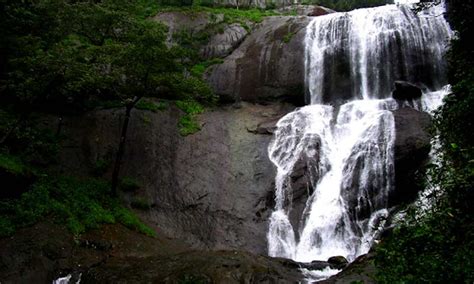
column 288, row 37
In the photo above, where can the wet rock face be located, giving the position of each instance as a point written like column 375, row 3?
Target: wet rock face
column 406, row 91
column 115, row 254
column 195, row 267
column 222, row 44
column 306, row 168
column 412, row 146
column 213, row 189
column 268, row 65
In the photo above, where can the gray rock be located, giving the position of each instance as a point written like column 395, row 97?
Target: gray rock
column 306, row 10
column 412, row 146
column 338, row 262
column 222, row 44
column 192, row 23
column 262, row 4
column 361, row 270
column 406, row 91
column 268, row 65
column 304, row 170
column 214, row 189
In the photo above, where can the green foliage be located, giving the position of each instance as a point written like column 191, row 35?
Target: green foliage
column 145, row 104
column 86, row 51
column 100, row 167
column 347, row 5
column 129, row 184
column 438, row 245
column 199, row 69
column 188, row 123
column 79, row 204
column 22, row 137
column 12, row 164
column 288, row 37
column 231, row 15
column 140, row 203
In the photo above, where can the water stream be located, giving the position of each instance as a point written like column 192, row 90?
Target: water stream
column 341, row 145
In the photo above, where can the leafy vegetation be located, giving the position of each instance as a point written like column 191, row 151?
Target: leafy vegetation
column 79, row 204
column 144, row 104
column 140, row 203
column 64, row 57
column 348, row 5
column 188, row 123
column 129, row 184
column 438, row 246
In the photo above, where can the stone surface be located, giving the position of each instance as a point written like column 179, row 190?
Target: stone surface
column 406, row 91
column 222, row 44
column 306, row 10
column 213, row 189
column 267, row 66
column 412, row 146
column 115, row 254
column 361, row 270
column 188, row 22
column 262, row 4
column 338, row 262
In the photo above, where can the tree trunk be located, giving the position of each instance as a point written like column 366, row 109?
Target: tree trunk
column 121, row 149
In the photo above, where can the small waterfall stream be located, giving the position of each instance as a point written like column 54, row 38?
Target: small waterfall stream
column 339, row 149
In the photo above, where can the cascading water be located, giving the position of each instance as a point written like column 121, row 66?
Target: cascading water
column 341, row 145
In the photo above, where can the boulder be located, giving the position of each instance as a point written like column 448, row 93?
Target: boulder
column 412, row 146
column 361, row 270
column 268, row 65
column 222, row 44
column 406, row 91
column 338, row 262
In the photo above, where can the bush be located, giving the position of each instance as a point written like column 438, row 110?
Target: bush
column 80, row 204
column 188, row 123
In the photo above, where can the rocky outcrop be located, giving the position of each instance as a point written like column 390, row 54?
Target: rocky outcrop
column 191, row 23
column 115, row 254
column 223, row 43
column 406, row 91
column 262, row 4
column 306, row 168
column 306, row 10
column 194, row 267
column 213, row 189
column 361, row 270
column 268, row 65
column 412, row 146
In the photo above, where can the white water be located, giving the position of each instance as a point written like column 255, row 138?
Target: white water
column 345, row 137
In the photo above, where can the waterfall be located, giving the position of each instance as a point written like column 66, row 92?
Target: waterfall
column 334, row 157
